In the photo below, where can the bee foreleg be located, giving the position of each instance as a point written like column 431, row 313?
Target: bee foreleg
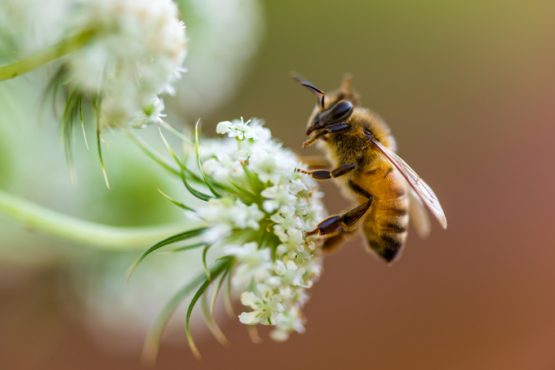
column 335, row 225
column 329, row 129
column 327, row 174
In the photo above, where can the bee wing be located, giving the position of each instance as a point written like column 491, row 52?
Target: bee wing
column 418, row 215
column 421, row 189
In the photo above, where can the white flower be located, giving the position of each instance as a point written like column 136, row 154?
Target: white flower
column 125, row 53
column 135, row 56
column 225, row 214
column 286, row 323
column 152, row 113
column 277, row 196
column 250, row 300
column 266, row 306
column 256, row 210
column 254, row 264
column 241, row 130
column 117, row 56
column 273, row 206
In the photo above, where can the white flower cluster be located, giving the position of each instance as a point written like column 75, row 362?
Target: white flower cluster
column 263, row 229
column 136, row 56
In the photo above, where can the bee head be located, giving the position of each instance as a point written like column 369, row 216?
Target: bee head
column 331, row 108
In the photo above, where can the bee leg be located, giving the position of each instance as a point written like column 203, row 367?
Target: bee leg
column 327, row 174
column 330, row 129
column 335, row 225
column 332, row 243
column 314, row 161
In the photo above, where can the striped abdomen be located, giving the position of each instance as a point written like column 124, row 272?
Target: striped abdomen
column 386, row 223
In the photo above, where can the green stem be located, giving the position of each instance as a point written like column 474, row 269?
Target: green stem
column 78, row 230
column 46, row 56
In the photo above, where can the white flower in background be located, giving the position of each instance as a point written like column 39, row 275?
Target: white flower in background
column 136, row 55
column 117, row 56
column 252, row 222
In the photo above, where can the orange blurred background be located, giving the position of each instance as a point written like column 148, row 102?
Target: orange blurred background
column 468, row 89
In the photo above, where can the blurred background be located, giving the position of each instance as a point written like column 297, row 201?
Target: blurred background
column 468, row 89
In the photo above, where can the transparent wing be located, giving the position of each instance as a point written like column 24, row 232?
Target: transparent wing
column 423, row 190
column 418, row 215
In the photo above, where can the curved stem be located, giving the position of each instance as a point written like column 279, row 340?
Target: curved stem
column 78, row 230
column 46, row 56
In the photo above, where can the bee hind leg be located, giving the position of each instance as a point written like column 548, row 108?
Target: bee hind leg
column 332, row 243
column 337, row 228
column 338, row 224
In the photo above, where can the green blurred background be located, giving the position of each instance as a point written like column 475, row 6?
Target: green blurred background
column 469, row 91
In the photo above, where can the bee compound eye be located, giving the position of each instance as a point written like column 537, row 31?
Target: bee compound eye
column 341, row 111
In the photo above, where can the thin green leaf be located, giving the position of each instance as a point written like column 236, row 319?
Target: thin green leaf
column 174, row 131
column 216, row 291
column 199, row 163
column 228, row 305
column 176, row 202
column 211, row 322
column 172, row 239
column 244, row 194
column 254, row 181
column 67, row 131
column 193, row 176
column 152, row 340
column 184, row 172
column 239, row 191
column 170, row 150
column 189, row 247
column 181, row 163
column 52, row 90
column 82, row 121
column 152, row 154
column 196, row 193
column 263, row 237
column 204, row 264
column 215, row 271
column 99, row 142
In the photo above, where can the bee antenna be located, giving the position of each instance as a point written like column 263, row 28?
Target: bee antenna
column 347, row 83
column 310, row 86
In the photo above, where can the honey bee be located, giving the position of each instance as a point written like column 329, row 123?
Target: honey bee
column 361, row 149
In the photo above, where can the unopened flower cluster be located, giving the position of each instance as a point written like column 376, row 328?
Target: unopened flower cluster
column 263, row 230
